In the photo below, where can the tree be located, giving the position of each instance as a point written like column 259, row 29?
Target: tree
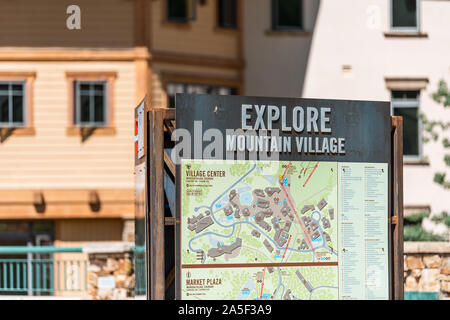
column 431, row 131
column 434, row 130
column 413, row 230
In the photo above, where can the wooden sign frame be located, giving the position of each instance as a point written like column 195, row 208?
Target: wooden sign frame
column 161, row 123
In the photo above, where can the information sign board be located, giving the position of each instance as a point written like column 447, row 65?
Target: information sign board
column 283, row 198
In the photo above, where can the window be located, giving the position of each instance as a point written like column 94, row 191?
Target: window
column 227, row 13
column 174, row 88
column 287, row 14
column 181, row 10
column 12, row 104
column 405, row 15
column 90, row 103
column 406, row 105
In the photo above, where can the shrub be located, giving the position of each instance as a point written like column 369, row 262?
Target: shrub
column 416, row 218
column 415, row 232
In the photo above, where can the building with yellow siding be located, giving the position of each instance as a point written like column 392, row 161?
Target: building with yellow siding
column 67, row 99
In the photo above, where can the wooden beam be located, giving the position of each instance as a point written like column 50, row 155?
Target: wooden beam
column 169, row 163
column 197, row 60
column 53, row 211
column 66, row 204
column 157, row 263
column 169, row 126
column 170, row 278
column 397, row 214
column 203, row 79
column 75, row 55
column 65, row 196
column 168, row 113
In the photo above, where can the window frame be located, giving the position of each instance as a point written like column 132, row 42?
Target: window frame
column 275, row 24
column 206, row 87
column 106, row 77
column 404, row 29
column 186, row 19
column 218, row 16
column 27, row 78
column 169, row 77
column 410, row 103
column 11, row 124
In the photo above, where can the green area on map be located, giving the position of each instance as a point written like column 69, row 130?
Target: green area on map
column 258, row 283
column 261, row 213
column 258, row 212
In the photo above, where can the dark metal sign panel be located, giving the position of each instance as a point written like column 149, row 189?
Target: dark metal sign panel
column 365, row 125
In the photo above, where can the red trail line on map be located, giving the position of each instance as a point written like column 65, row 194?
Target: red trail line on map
column 262, row 284
column 315, row 167
column 287, row 245
column 295, row 211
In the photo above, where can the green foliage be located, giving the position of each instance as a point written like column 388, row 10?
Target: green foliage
column 443, row 217
column 415, row 232
column 447, row 159
column 439, row 178
column 446, row 143
column 430, row 132
column 416, row 218
column 442, row 95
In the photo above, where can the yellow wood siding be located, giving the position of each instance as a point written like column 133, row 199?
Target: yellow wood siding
column 76, row 232
column 31, row 23
column 199, row 37
column 51, row 158
column 158, row 97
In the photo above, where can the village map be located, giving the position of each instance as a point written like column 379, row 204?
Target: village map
column 259, row 230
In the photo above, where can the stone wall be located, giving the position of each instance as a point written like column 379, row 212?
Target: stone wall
column 427, row 267
column 110, row 271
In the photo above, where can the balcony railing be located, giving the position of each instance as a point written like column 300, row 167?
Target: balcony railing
column 43, row 271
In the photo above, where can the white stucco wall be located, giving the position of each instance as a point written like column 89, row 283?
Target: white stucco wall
column 355, row 37
column 275, row 62
column 351, row 33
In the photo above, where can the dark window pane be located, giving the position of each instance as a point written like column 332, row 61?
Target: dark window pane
column 4, row 109
column 288, row 14
column 92, row 102
column 84, row 109
column 99, row 114
column 404, row 13
column 405, row 94
column 4, row 87
column 410, row 130
column 177, row 9
column 17, row 109
column 18, row 88
column 227, row 13
column 43, row 226
column 173, row 88
column 171, row 101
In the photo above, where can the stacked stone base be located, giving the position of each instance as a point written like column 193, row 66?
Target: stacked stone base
column 114, row 262
column 427, row 267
